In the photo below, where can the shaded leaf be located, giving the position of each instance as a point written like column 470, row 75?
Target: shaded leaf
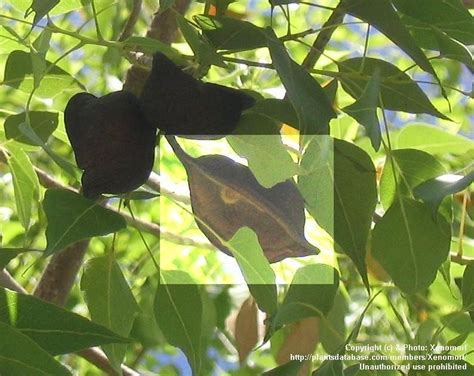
column 32, row 360
column 267, row 157
column 278, row 109
column 202, row 49
column 288, row 369
column 225, row 196
column 72, row 217
column 180, row 325
column 25, row 183
column 341, row 195
column 306, row 95
column 149, row 46
column 41, row 8
column 412, row 168
column 364, row 110
column 311, row 294
column 468, row 288
column 398, row 91
column 110, row 301
column 55, row 329
column 329, row 368
column 448, row 15
column 8, row 254
column 433, row 191
column 452, row 49
column 227, row 33
column 382, row 15
column 43, row 124
column 410, row 244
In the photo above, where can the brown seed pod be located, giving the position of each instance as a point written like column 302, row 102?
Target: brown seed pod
column 226, row 196
column 178, row 104
column 112, row 142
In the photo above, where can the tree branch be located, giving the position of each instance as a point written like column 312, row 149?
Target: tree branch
column 324, row 37
column 132, row 20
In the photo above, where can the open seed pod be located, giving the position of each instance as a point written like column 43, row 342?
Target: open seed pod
column 178, row 104
column 112, row 142
column 226, row 196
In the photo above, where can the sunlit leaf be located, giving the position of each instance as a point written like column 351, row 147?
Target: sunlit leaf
column 25, row 183
column 110, row 301
column 181, row 326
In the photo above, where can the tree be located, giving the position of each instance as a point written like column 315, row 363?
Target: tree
column 341, row 201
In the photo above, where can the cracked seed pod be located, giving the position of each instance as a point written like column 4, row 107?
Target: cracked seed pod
column 226, row 196
column 112, row 142
column 178, row 104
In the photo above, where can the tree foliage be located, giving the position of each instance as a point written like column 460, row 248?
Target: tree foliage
column 341, row 199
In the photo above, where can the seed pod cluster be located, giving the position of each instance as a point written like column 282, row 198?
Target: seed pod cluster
column 226, row 196
column 113, row 137
column 112, row 142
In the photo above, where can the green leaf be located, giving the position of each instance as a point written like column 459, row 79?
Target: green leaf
column 433, row 140
column 398, row 91
column 166, row 4
column 19, row 355
column 288, row 369
column 333, row 327
column 353, row 196
column 448, row 15
column 25, row 183
column 412, row 168
column 311, row 293
column 306, row 95
column 410, row 244
column 145, row 328
column 280, row 110
column 8, row 254
column 72, row 217
column 267, row 157
column 317, row 183
column 468, row 289
column 110, row 301
column 41, row 8
column 255, row 268
column 44, row 123
column 202, row 49
column 227, row 33
column 329, row 368
column 452, row 49
column 382, row 15
column 364, row 110
column 55, row 329
column 19, row 75
column 433, row 191
column 38, row 56
column 252, row 123
column 181, row 326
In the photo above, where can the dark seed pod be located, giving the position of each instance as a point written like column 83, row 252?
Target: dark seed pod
column 226, row 196
column 178, row 104
column 112, row 142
